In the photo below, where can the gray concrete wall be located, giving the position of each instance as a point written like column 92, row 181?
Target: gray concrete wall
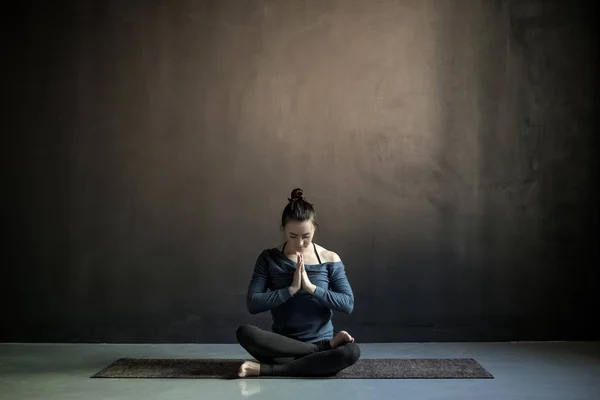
column 447, row 146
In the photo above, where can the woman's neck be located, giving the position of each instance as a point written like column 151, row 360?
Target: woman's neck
column 308, row 252
column 290, row 251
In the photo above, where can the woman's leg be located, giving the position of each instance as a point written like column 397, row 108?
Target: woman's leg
column 320, row 364
column 273, row 348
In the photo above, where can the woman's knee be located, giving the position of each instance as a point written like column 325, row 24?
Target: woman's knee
column 351, row 353
column 244, row 332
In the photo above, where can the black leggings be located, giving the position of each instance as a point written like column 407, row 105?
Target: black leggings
column 282, row 356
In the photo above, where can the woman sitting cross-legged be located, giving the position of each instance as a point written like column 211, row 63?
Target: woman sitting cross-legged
column 301, row 284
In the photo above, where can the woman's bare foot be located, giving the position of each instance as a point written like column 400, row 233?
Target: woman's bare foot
column 341, row 338
column 249, row 368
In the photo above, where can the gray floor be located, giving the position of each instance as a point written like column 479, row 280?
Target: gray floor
column 521, row 370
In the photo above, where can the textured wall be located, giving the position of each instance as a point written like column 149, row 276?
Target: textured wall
column 446, row 146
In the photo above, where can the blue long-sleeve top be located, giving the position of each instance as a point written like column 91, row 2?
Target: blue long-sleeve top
column 301, row 316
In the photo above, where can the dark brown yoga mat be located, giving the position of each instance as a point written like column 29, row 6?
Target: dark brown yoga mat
column 386, row 368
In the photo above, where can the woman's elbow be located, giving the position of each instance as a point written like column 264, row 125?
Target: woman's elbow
column 349, row 306
column 252, row 307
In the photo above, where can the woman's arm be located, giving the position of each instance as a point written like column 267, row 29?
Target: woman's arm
column 339, row 296
column 259, row 298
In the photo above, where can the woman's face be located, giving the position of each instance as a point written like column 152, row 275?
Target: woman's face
column 299, row 234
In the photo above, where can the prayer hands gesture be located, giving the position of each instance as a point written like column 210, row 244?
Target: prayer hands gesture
column 301, row 278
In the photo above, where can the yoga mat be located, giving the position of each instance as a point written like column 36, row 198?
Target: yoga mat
column 386, row 368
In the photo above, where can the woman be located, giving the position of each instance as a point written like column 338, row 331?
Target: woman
column 301, row 284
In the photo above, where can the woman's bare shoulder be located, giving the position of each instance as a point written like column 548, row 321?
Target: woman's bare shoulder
column 328, row 255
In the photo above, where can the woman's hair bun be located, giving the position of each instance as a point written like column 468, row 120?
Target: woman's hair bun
column 298, row 209
column 297, row 194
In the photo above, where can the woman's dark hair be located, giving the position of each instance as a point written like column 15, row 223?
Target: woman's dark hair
column 298, row 209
